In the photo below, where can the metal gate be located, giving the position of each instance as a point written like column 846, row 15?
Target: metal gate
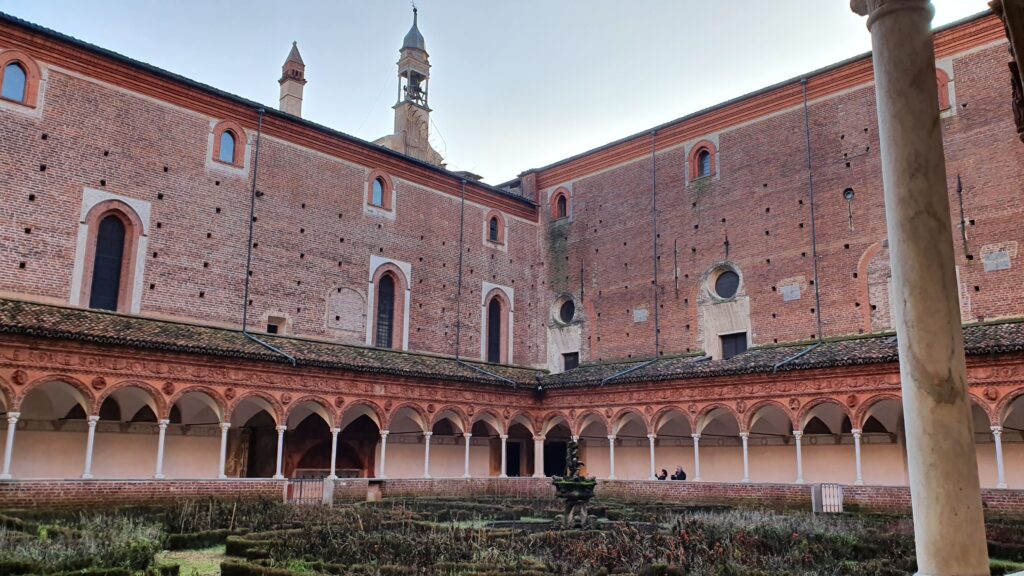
column 306, row 491
column 827, row 498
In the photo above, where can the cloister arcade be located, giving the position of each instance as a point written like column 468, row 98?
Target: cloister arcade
column 63, row 428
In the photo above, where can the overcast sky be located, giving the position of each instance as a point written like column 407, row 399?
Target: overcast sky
column 515, row 85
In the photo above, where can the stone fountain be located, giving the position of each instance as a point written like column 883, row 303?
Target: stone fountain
column 576, row 490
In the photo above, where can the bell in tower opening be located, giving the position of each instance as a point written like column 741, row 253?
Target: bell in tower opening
column 412, row 112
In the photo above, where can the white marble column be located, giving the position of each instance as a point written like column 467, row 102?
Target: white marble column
column 611, row 456
column 426, row 453
column 949, row 526
column 383, row 454
column 744, row 437
column 334, row 453
column 696, row 457
column 12, row 427
column 280, row 451
column 469, row 439
column 538, row 456
column 797, row 435
column 222, row 467
column 650, row 442
column 856, row 455
column 160, row 449
column 997, row 437
column 90, row 441
column 504, row 462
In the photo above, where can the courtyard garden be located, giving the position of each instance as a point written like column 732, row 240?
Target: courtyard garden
column 455, row 537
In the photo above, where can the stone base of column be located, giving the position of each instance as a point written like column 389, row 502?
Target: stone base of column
column 5, row 476
column 426, row 476
column 332, row 477
column 745, row 481
column 278, row 477
column 158, row 476
column 503, row 476
column 1001, row 485
column 858, row 482
column 799, row 481
column 86, row 476
column 466, row 476
column 612, row 478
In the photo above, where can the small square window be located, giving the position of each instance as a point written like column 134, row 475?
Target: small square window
column 570, row 360
column 733, row 344
column 275, row 325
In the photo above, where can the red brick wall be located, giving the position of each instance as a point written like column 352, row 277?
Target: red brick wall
column 311, row 232
column 759, row 201
column 472, row 487
column 78, row 493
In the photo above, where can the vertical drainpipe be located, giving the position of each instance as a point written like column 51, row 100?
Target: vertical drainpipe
column 810, row 192
column 654, row 239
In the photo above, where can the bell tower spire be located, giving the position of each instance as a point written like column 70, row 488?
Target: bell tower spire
column 412, row 110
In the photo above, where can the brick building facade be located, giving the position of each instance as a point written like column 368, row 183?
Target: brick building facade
column 722, row 279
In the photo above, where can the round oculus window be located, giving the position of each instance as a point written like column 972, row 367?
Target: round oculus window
column 567, row 311
column 727, row 284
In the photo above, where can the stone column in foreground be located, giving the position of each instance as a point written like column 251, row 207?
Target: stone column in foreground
column 504, row 458
column 334, row 453
column 949, row 526
column 611, row 457
column 161, row 438
column 696, row 457
column 12, row 427
column 651, row 438
column 383, row 454
column 222, row 465
column 744, row 437
column 859, row 481
column 538, row 456
column 469, row 438
column 90, row 441
column 426, row 454
column 280, row 451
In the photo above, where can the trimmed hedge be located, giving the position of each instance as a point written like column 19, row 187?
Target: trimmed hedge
column 235, row 568
column 199, row 540
column 16, row 567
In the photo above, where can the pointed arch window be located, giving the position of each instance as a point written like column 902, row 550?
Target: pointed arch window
column 15, row 83
column 227, row 147
column 108, row 264
column 561, row 207
column 494, row 331
column 384, row 337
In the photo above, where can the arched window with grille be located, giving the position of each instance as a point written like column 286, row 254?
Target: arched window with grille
column 108, row 264
column 384, row 336
column 494, row 332
column 377, row 195
column 15, row 83
column 703, row 164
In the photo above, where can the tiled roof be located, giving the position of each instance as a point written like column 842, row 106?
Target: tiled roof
column 48, row 321
column 979, row 339
column 30, row 319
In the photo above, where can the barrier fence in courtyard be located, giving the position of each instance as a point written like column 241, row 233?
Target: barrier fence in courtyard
column 827, row 498
column 305, row 491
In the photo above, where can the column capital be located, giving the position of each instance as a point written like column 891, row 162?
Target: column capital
column 539, row 437
column 797, row 434
column 875, row 9
column 997, row 430
column 467, row 434
column 695, row 436
column 652, row 436
column 92, row 420
column 335, row 431
column 744, row 435
column 163, row 423
column 612, row 437
column 428, row 434
column 384, row 433
column 503, row 436
column 856, row 432
column 280, row 428
column 225, row 425
column 12, row 417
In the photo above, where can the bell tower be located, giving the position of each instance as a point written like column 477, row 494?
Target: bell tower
column 293, row 79
column 412, row 110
